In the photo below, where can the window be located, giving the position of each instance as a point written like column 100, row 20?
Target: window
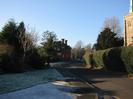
column 132, row 40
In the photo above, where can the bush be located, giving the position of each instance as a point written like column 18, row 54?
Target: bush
column 87, row 58
column 9, row 61
column 11, row 64
column 35, row 60
column 127, row 58
column 98, row 59
column 114, row 59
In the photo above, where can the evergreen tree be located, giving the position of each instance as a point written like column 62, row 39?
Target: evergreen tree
column 48, row 45
column 15, row 36
column 107, row 39
column 8, row 33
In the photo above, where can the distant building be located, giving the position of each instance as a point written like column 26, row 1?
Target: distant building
column 128, row 30
column 63, row 50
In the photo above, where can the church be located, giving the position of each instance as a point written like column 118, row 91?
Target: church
column 128, row 27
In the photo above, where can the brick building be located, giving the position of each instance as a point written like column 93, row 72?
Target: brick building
column 63, row 50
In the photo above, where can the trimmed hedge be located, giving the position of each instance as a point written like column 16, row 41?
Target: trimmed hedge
column 97, row 58
column 127, row 58
column 87, row 58
column 114, row 59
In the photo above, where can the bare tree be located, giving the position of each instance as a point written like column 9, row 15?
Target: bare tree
column 79, row 44
column 33, row 35
column 113, row 24
column 88, row 47
column 78, row 50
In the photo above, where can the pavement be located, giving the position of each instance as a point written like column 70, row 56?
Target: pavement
column 63, row 88
column 107, row 84
column 79, row 83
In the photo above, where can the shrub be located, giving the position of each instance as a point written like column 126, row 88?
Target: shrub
column 98, row 58
column 35, row 60
column 127, row 57
column 87, row 58
column 112, row 60
column 11, row 63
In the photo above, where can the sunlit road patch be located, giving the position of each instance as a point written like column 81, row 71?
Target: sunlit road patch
column 78, row 89
column 75, row 87
column 71, row 83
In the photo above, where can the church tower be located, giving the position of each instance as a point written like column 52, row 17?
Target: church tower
column 131, row 6
column 128, row 24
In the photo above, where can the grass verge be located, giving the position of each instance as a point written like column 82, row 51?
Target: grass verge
column 13, row 82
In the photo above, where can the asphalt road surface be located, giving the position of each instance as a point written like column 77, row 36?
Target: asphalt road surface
column 116, row 85
column 78, row 82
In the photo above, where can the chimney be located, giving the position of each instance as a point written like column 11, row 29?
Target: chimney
column 63, row 41
column 66, row 42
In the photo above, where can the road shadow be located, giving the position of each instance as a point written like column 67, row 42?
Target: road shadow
column 80, row 88
column 90, row 73
column 89, row 76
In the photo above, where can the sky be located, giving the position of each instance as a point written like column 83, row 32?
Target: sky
column 73, row 20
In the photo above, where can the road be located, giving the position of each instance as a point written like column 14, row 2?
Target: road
column 62, row 87
column 78, row 82
column 106, row 84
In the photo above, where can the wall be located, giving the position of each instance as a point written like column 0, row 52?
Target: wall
column 128, row 36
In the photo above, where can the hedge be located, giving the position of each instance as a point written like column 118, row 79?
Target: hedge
column 97, row 58
column 127, row 58
column 87, row 58
column 114, row 59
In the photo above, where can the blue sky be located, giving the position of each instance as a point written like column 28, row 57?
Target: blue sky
column 70, row 19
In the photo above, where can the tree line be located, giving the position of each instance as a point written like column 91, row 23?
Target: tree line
column 19, row 48
column 110, row 36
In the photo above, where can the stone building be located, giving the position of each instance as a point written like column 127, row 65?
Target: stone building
column 63, row 50
column 128, row 30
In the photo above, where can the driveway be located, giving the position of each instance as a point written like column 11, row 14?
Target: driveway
column 61, row 88
column 79, row 83
column 112, row 84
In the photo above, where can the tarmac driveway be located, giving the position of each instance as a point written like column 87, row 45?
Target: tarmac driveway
column 106, row 83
